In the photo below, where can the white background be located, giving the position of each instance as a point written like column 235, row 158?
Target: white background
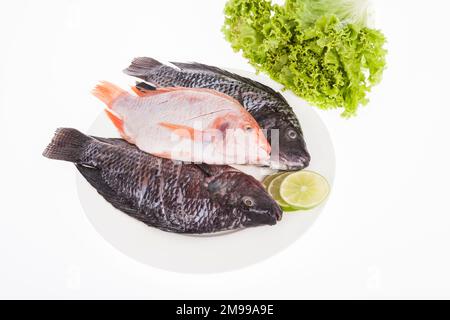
column 385, row 232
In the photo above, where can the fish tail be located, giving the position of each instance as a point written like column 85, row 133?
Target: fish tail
column 142, row 67
column 108, row 92
column 67, row 144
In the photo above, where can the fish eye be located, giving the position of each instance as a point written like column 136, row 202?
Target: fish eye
column 248, row 201
column 248, row 127
column 292, row 134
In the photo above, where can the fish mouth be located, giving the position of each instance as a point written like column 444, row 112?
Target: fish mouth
column 267, row 220
column 299, row 163
column 269, row 217
column 277, row 212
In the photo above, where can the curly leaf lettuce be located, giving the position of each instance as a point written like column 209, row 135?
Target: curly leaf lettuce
column 322, row 50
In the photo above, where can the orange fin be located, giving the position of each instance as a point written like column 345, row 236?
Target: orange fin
column 183, row 131
column 144, row 90
column 148, row 93
column 139, row 92
column 141, row 88
column 108, row 92
column 118, row 123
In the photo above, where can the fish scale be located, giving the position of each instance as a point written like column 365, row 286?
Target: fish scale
column 269, row 108
column 169, row 195
column 166, row 76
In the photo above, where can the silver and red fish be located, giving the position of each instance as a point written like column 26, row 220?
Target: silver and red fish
column 187, row 124
column 269, row 108
column 169, row 195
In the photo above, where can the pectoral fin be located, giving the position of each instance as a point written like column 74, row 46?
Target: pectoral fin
column 183, row 131
column 117, row 122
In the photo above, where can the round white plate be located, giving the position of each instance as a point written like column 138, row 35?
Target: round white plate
column 219, row 252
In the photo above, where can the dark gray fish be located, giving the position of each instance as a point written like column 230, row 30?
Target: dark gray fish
column 172, row 196
column 268, row 107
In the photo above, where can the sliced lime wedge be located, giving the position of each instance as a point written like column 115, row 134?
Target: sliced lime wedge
column 304, row 189
column 274, row 189
column 267, row 180
column 289, row 209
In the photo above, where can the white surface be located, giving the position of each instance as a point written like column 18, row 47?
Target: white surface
column 384, row 232
column 216, row 253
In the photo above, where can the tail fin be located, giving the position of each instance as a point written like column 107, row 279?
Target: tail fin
column 67, row 144
column 108, row 92
column 141, row 67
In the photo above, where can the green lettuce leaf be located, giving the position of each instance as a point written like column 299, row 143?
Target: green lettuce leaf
column 322, row 50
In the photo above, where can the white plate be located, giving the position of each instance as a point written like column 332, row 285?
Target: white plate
column 219, row 252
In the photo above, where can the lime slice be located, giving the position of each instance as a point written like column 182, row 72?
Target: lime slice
column 274, row 189
column 304, row 189
column 289, row 209
column 267, row 180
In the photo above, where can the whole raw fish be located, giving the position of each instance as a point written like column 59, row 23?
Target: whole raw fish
column 268, row 107
column 189, row 124
column 169, row 195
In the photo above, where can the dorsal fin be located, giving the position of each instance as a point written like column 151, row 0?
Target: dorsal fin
column 147, row 93
column 205, row 168
column 95, row 179
column 143, row 89
column 203, row 67
column 144, row 86
column 115, row 142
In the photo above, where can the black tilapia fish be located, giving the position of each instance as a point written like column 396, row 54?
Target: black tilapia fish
column 172, row 196
column 268, row 107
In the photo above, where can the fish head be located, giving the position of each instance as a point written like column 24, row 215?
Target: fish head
column 289, row 151
column 246, row 198
column 245, row 142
